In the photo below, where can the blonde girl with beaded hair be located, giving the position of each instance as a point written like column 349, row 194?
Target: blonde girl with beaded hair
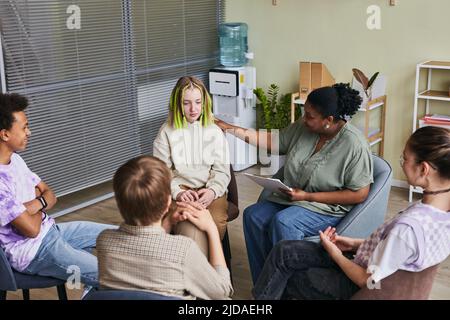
column 196, row 151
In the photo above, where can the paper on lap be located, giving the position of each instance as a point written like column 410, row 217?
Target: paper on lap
column 268, row 183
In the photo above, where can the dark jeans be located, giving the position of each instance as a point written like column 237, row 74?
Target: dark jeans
column 298, row 269
column 266, row 223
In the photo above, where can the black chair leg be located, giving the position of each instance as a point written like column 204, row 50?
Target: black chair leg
column 26, row 294
column 62, row 295
column 3, row 294
column 227, row 252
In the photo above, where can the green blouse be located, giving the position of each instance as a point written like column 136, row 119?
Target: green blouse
column 344, row 162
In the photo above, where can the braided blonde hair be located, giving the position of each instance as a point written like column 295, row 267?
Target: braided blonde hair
column 177, row 118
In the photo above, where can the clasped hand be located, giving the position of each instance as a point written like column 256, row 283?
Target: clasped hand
column 195, row 213
column 203, row 196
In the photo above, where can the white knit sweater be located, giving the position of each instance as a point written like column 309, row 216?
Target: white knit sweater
column 198, row 157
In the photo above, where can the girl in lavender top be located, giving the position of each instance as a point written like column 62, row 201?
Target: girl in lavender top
column 415, row 239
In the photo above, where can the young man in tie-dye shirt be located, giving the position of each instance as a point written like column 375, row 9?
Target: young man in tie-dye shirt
column 31, row 240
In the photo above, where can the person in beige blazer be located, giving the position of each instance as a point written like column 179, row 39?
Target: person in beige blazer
column 143, row 255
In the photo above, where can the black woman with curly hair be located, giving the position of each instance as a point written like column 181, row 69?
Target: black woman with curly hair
column 328, row 166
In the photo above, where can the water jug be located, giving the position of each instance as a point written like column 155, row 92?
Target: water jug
column 233, row 44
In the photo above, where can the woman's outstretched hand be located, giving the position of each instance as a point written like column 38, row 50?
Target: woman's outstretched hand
column 221, row 124
column 343, row 243
column 327, row 242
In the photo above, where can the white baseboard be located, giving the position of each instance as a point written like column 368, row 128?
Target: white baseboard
column 400, row 184
column 82, row 205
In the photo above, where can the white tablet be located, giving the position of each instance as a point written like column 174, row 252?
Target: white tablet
column 268, row 183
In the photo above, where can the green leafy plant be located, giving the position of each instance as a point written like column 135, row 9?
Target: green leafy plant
column 364, row 81
column 273, row 112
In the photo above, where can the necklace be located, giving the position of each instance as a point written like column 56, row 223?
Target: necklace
column 436, row 192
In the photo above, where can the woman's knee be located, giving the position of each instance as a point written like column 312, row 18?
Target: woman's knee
column 284, row 219
column 219, row 214
column 188, row 229
column 286, row 248
column 281, row 253
column 249, row 214
column 288, row 252
column 282, row 227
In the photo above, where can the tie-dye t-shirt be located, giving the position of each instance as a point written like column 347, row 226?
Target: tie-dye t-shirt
column 17, row 186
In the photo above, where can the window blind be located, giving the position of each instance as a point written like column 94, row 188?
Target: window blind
column 82, row 111
column 99, row 94
column 171, row 39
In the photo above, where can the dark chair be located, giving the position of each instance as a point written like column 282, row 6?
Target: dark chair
column 401, row 285
column 110, row 294
column 365, row 217
column 11, row 280
column 233, row 213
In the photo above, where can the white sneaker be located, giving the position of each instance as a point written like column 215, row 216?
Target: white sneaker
column 86, row 291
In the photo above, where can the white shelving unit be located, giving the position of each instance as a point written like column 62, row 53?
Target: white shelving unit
column 377, row 135
column 428, row 95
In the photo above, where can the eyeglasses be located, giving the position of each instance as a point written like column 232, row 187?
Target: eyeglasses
column 402, row 162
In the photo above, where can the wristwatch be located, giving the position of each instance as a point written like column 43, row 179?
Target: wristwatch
column 42, row 201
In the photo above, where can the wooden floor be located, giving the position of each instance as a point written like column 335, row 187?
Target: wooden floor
column 106, row 212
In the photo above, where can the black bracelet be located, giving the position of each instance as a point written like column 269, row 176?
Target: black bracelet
column 42, row 201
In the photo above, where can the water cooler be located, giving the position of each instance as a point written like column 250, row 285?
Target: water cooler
column 234, row 102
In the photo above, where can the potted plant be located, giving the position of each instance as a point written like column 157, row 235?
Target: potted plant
column 365, row 84
column 273, row 111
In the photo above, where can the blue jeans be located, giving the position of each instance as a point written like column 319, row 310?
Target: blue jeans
column 302, row 270
column 65, row 248
column 266, row 223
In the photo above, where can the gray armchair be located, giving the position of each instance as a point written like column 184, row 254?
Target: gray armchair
column 12, row 280
column 365, row 217
column 401, row 285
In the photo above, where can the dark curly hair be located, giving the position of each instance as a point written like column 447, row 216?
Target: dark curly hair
column 10, row 103
column 339, row 101
column 432, row 144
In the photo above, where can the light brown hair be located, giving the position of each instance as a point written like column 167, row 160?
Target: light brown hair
column 432, row 144
column 142, row 189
